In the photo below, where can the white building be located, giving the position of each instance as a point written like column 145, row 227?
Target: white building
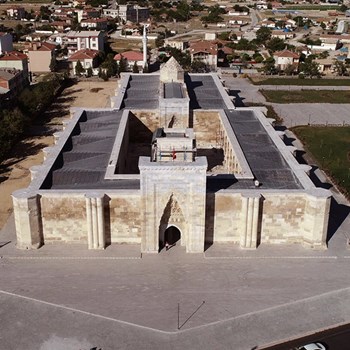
column 81, row 40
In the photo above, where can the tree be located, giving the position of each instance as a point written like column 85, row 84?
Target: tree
column 258, row 58
column 123, row 66
column 311, row 69
column 89, row 72
column 198, row 66
column 343, row 8
column 269, row 66
column 275, row 44
column 79, row 69
column 214, row 15
column 263, row 34
column 135, row 68
column 53, row 64
column 290, row 69
column 110, row 65
column 340, row 68
column 159, row 41
column 323, row 54
column 12, row 124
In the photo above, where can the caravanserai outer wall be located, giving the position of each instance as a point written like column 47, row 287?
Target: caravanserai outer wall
column 101, row 216
column 231, row 217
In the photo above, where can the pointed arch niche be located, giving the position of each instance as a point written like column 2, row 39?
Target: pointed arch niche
column 172, row 216
column 173, row 194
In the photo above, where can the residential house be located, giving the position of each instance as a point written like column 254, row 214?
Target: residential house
column 238, row 20
column 84, row 39
column 12, row 82
column 239, row 36
column 76, row 3
column 113, row 13
column 261, row 5
column 133, row 13
column 237, row 13
column 267, row 23
column 95, row 23
column 290, row 24
column 131, row 57
column 204, row 51
column 325, row 65
column 40, row 56
column 60, row 26
column 88, row 12
column 16, row 12
column 176, row 43
column 87, row 57
column 335, row 38
column 286, row 58
column 5, row 42
column 14, row 59
column 282, row 34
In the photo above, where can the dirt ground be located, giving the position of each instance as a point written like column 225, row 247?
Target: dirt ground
column 14, row 172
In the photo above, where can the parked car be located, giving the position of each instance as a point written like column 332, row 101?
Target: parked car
column 312, row 346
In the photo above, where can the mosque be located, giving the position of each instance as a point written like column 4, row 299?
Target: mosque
column 172, row 160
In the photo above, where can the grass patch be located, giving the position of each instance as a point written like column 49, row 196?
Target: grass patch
column 302, row 82
column 306, row 96
column 313, row 7
column 34, row 1
column 330, row 146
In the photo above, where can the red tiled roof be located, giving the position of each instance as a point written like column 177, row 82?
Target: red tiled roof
column 83, row 54
column 203, row 46
column 94, row 20
column 286, row 53
column 13, row 56
column 130, row 56
column 43, row 46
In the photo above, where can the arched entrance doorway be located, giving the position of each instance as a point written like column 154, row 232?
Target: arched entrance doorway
column 172, row 235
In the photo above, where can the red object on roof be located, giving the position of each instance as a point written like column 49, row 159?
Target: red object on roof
column 130, row 56
column 13, row 56
column 84, row 54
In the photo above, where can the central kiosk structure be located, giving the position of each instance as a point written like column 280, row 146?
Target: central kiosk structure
column 173, row 181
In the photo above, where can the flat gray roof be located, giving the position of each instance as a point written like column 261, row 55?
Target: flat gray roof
column 142, row 92
column 203, row 92
column 173, row 90
column 262, row 155
column 83, row 162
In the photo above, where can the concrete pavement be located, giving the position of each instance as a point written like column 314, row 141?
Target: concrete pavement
column 115, row 300
column 296, row 113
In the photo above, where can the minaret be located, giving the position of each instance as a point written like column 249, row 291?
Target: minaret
column 144, row 42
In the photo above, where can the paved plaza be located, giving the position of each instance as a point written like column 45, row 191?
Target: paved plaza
column 226, row 298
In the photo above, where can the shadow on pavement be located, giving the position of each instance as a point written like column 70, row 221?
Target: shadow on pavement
column 338, row 213
column 238, row 99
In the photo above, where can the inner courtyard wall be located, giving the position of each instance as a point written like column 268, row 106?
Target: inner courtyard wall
column 206, row 125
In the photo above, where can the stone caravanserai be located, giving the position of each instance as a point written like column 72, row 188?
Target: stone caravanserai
column 172, row 160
